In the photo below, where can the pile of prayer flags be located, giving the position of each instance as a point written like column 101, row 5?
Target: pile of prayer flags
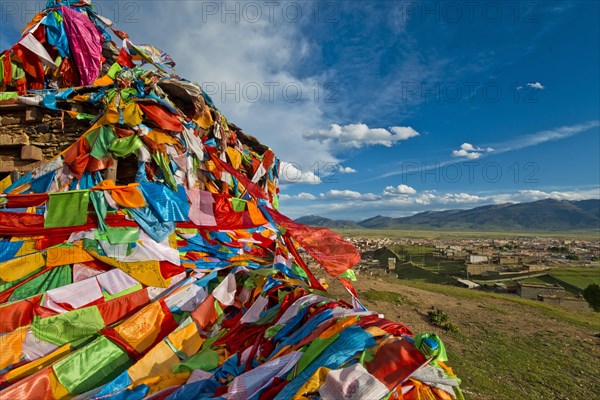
column 184, row 281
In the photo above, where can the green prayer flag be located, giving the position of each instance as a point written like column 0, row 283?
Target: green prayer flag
column 267, row 316
column 205, row 359
column 112, row 71
column 349, row 274
column 58, row 17
column 126, row 146
column 265, row 272
column 67, row 209
column 163, row 163
column 92, row 366
column 64, row 328
column 118, row 235
column 421, row 343
column 123, row 234
column 299, row 271
column 128, row 92
column 312, row 352
column 272, row 331
column 100, row 139
column 52, row 279
column 110, row 94
column 134, row 288
column 84, row 116
column 8, row 95
column 238, row 204
column 99, row 202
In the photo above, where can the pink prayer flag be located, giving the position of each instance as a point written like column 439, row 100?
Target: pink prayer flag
column 201, row 210
column 86, row 44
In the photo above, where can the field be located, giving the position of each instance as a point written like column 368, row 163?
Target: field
column 506, row 347
column 422, row 256
column 580, row 277
column 574, row 280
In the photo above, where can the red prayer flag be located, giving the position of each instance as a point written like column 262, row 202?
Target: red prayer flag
column 327, row 247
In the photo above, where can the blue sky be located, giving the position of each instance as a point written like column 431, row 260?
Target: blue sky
column 392, row 107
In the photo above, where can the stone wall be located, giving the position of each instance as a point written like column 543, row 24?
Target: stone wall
column 480, row 269
column 533, row 290
column 29, row 135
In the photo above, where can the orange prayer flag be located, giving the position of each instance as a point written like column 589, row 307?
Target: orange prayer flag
column 255, row 214
column 104, row 80
column 128, row 197
column 206, row 314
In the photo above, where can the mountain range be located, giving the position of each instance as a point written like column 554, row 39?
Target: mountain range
column 542, row 215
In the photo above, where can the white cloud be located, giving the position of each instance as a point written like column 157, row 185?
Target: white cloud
column 432, row 197
column 306, row 196
column 346, row 170
column 360, row 135
column 458, row 198
column 398, row 190
column 550, row 135
column 290, row 173
column 534, row 195
column 348, row 195
column 247, row 66
column 404, row 132
column 401, row 195
column 467, row 150
column 303, row 196
column 536, row 85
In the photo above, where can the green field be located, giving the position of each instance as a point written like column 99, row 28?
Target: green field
column 409, row 264
column 422, row 257
column 540, row 279
column 580, row 277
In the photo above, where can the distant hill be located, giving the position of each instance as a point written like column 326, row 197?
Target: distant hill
column 542, row 215
column 315, row 220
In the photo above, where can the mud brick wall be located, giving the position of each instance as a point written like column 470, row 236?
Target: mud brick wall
column 29, row 135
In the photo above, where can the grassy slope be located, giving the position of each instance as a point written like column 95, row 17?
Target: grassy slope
column 507, row 347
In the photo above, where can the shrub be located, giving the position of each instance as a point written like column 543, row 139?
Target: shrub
column 440, row 319
column 592, row 295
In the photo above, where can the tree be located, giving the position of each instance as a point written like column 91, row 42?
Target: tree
column 592, row 295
